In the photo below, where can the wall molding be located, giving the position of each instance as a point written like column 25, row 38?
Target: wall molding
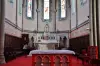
column 79, row 36
column 29, row 31
column 80, row 25
column 12, row 24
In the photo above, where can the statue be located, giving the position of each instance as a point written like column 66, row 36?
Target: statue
column 46, row 32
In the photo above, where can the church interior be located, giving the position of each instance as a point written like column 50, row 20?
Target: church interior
column 49, row 33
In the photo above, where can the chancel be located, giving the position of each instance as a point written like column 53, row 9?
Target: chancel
column 49, row 33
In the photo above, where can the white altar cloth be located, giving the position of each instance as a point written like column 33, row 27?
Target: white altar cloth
column 47, row 41
column 51, row 52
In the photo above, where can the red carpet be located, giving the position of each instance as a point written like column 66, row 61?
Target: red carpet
column 20, row 61
column 27, row 61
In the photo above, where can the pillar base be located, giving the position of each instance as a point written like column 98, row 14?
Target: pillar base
column 2, row 59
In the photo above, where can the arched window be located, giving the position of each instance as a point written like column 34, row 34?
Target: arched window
column 29, row 9
column 46, row 10
column 62, row 9
column 73, row 7
column 83, row 2
column 19, row 7
column 11, row 1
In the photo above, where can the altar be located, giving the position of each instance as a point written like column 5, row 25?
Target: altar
column 51, row 57
column 40, row 52
column 46, row 40
column 46, row 44
column 46, row 54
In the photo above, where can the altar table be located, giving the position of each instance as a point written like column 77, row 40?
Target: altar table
column 51, row 57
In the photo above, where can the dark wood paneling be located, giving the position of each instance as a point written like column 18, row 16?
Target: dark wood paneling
column 13, row 47
column 77, row 44
column 12, row 41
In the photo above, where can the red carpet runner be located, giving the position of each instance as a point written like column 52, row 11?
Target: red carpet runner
column 20, row 61
column 27, row 61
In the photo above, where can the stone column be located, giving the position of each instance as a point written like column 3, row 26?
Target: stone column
column 91, row 23
column 98, row 26
column 2, row 17
column 94, row 24
column 55, row 10
column 53, row 14
column 37, row 10
column 76, row 13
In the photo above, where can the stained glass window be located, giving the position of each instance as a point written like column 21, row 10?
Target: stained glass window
column 29, row 8
column 11, row 1
column 20, row 7
column 63, row 8
column 46, row 10
column 83, row 2
column 73, row 6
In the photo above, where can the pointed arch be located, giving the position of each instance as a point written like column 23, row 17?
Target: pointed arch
column 57, row 61
column 38, row 61
column 46, row 61
column 64, row 61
